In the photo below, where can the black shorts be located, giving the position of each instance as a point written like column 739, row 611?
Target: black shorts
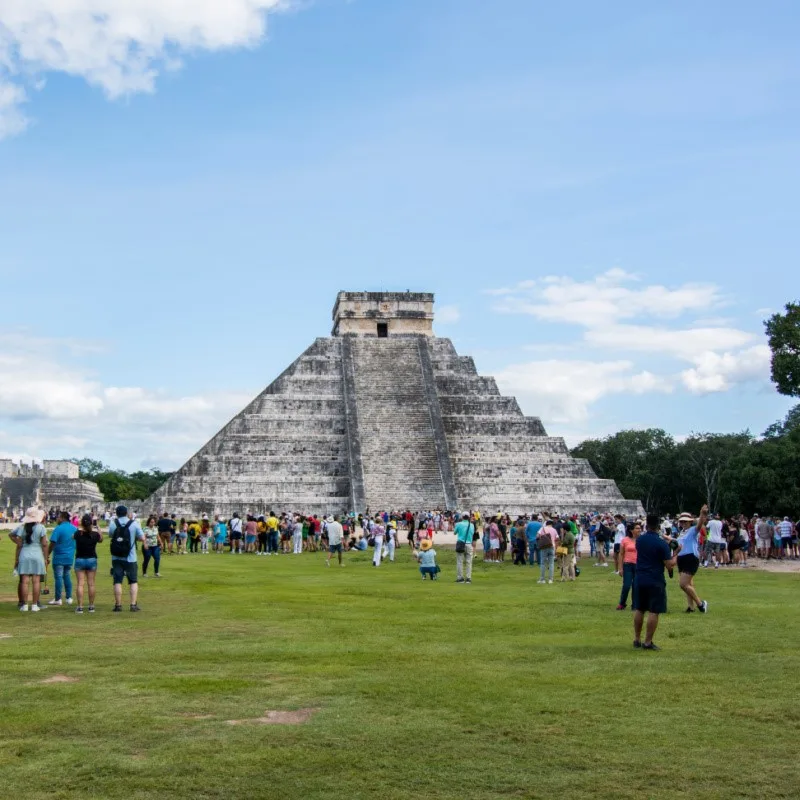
column 236, row 535
column 688, row 564
column 616, row 549
column 124, row 569
column 650, row 598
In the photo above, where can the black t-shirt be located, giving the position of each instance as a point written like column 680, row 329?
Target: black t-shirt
column 86, row 544
column 166, row 525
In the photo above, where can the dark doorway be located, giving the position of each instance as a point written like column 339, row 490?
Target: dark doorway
column 383, row 330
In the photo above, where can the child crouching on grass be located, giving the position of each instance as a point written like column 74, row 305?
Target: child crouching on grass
column 426, row 556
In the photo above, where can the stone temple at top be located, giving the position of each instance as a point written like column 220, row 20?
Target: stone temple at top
column 384, row 415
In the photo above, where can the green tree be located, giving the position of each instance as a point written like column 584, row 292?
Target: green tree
column 782, row 427
column 783, row 331
column 641, row 462
column 90, row 467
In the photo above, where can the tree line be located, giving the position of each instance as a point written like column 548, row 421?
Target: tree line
column 733, row 473
column 116, row 484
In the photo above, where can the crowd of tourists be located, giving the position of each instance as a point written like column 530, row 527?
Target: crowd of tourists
column 552, row 543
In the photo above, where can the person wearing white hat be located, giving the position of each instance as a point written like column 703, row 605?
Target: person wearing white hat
column 334, row 534
column 32, row 556
column 689, row 558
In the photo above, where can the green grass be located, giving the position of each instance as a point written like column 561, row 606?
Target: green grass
column 499, row 689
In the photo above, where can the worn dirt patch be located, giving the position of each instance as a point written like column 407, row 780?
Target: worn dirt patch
column 59, row 679
column 5, row 635
column 279, row 717
column 197, row 716
column 775, row 566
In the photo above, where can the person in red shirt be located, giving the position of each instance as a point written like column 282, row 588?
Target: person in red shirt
column 627, row 554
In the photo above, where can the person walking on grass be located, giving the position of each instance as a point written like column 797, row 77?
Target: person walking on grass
column 124, row 533
column 220, row 534
column 627, row 552
column 153, row 542
column 87, row 537
column 465, row 532
column 653, row 555
column 334, row 535
column 31, row 557
column 689, row 558
column 62, row 555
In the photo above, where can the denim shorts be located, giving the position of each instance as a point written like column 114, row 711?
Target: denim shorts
column 86, row 564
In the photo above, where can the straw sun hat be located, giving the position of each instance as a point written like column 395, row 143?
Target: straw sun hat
column 33, row 514
column 425, row 544
column 686, row 517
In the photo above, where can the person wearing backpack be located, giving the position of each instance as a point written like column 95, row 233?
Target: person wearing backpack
column 546, row 542
column 124, row 533
column 465, row 533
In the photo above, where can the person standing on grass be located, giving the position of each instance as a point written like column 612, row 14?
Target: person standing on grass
column 296, row 524
column 627, row 551
column 566, row 542
column 786, row 528
column 166, row 530
column 465, row 533
column 235, row 527
column 220, row 534
column 124, row 533
column 377, row 533
column 689, row 557
column 653, row 555
column 620, row 533
column 62, row 553
column 532, row 530
column 87, row 537
column 391, row 540
column 31, row 557
column 334, row 533
column 546, row 542
column 153, row 542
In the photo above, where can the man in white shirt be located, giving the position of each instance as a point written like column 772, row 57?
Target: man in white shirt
column 619, row 535
column 716, row 540
column 334, row 530
column 786, row 529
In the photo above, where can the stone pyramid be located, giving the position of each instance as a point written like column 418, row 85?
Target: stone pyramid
column 384, row 415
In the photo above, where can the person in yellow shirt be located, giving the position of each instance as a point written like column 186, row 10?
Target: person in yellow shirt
column 272, row 534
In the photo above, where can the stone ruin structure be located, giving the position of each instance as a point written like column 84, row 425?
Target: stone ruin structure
column 56, row 484
column 384, row 415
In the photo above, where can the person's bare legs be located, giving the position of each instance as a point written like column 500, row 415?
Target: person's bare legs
column 134, row 587
column 80, row 578
column 37, row 579
column 687, row 587
column 117, row 594
column 638, row 619
column 90, row 576
column 652, row 624
column 24, row 583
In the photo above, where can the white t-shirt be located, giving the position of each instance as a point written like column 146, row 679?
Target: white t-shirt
column 620, row 534
column 715, row 531
column 334, row 533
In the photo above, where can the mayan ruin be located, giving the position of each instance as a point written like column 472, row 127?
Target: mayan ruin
column 383, row 414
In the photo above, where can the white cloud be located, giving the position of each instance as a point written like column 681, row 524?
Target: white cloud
column 55, row 409
column 611, row 308
column 447, row 315
column 562, row 391
column 718, row 372
column 684, row 343
column 120, row 46
column 605, row 299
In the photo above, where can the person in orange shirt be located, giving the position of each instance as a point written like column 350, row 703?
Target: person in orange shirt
column 627, row 554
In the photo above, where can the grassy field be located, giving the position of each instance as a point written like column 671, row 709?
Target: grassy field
column 421, row 690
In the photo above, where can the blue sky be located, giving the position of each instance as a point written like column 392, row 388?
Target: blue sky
column 183, row 191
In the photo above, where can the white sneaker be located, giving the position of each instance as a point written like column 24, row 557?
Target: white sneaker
column 54, row 603
column 69, row 601
column 23, row 607
column 541, row 580
column 35, row 608
column 550, row 581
